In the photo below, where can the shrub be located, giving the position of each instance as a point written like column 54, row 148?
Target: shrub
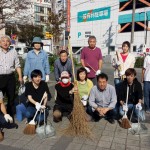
column 139, row 62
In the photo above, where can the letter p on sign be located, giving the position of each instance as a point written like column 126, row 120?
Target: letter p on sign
column 79, row 34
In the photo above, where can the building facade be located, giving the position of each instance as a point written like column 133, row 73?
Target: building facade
column 110, row 21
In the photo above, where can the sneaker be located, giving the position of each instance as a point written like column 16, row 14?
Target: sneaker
column 148, row 112
column 112, row 121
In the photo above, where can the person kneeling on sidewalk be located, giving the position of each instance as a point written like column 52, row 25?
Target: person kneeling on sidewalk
column 102, row 100
column 34, row 92
column 135, row 96
column 6, row 121
column 64, row 100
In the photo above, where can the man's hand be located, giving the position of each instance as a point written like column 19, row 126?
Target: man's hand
column 100, row 111
column 8, row 118
column 87, row 69
column 105, row 110
column 98, row 72
column 20, row 79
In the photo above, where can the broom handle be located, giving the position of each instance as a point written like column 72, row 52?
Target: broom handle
column 91, row 67
column 70, row 51
column 127, row 98
column 40, row 103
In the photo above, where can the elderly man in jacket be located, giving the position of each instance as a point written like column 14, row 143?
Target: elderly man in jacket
column 102, row 100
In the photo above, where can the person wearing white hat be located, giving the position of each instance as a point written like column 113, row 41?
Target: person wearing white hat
column 64, row 99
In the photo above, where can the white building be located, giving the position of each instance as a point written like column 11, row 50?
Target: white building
column 110, row 21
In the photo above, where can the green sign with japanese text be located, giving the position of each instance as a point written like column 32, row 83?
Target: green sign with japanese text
column 94, row 14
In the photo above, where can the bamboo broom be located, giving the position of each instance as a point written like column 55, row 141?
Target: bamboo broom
column 30, row 128
column 125, row 122
column 78, row 124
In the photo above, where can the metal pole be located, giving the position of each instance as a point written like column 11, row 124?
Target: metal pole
column 145, row 25
column 133, row 25
column 146, row 28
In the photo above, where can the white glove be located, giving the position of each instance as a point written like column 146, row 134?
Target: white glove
column 87, row 69
column 25, row 79
column 8, row 118
column 118, row 63
column 38, row 106
column 138, row 106
column 47, row 78
column 98, row 72
column 125, row 108
column 122, row 73
column 84, row 97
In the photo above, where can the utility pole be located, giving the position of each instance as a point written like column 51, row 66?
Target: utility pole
column 133, row 25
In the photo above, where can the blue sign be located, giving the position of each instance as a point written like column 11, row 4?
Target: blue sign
column 94, row 14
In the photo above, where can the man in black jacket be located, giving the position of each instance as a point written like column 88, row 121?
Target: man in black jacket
column 134, row 89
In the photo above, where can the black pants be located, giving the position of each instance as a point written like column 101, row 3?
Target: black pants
column 65, row 109
column 95, row 115
column 8, row 87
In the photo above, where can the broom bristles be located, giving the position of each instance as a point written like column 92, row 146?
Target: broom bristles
column 78, row 124
column 29, row 129
column 125, row 123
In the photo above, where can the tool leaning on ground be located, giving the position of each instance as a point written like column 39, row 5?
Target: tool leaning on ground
column 30, row 128
column 78, row 124
column 125, row 122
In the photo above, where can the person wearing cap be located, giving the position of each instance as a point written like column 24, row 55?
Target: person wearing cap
column 64, row 99
column 6, row 121
column 37, row 59
column 63, row 63
column 9, row 63
column 91, row 59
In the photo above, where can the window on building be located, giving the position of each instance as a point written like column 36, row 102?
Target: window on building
column 42, row 10
column 48, row 10
column 37, row 18
column 47, row 1
column 36, row 9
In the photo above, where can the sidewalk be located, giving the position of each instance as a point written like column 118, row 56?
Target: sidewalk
column 107, row 136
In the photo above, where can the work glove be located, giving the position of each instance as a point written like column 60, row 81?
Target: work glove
column 122, row 73
column 8, row 118
column 37, row 106
column 25, row 78
column 47, row 78
column 98, row 72
column 125, row 108
column 84, row 100
column 87, row 69
column 138, row 106
column 118, row 63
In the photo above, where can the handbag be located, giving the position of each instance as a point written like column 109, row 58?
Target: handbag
column 46, row 130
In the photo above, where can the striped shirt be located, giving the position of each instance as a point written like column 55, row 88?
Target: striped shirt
column 9, row 61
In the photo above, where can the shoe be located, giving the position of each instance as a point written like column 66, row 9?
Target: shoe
column 1, row 136
column 148, row 112
column 112, row 121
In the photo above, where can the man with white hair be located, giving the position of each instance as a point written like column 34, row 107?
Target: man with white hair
column 9, row 62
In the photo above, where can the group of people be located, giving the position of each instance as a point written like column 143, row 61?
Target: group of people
column 99, row 99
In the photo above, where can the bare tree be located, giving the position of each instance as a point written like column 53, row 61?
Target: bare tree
column 14, row 11
column 54, row 25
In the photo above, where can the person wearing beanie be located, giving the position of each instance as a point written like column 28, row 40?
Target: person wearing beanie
column 64, row 99
column 37, row 59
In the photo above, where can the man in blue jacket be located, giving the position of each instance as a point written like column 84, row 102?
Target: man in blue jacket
column 37, row 59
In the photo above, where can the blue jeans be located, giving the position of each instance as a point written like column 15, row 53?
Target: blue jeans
column 136, row 112
column 146, row 89
column 20, row 112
